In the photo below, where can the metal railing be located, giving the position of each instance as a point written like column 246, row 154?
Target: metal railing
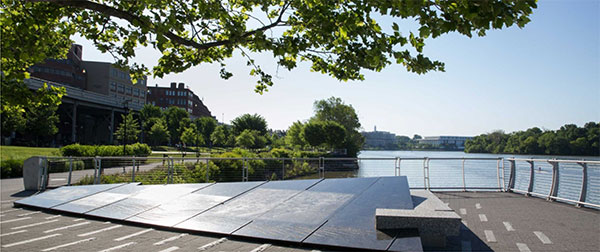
column 550, row 189
column 572, row 181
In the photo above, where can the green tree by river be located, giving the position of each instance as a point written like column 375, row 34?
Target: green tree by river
column 568, row 140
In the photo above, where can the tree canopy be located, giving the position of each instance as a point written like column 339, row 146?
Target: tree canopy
column 568, row 140
column 338, row 38
column 250, row 122
column 206, row 126
column 158, row 133
column 337, row 114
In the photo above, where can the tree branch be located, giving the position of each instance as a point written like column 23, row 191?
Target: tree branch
column 133, row 19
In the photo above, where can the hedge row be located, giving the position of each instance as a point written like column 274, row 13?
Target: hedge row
column 77, row 150
column 11, row 168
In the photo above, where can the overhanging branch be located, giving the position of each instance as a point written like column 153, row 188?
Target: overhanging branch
column 143, row 22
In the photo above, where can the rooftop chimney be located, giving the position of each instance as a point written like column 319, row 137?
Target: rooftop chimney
column 173, row 84
column 181, row 85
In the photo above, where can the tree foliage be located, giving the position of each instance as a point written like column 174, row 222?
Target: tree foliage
column 245, row 139
column 294, row 137
column 158, row 133
column 338, row 38
column 219, row 136
column 314, row 134
column 192, row 136
column 149, row 115
column 31, row 113
column 133, row 129
column 335, row 110
column 328, row 133
column 568, row 140
column 175, row 118
column 206, row 126
column 249, row 122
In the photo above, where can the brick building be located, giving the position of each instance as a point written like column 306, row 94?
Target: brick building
column 178, row 96
column 67, row 71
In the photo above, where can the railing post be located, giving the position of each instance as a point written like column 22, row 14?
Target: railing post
column 531, row 174
column 100, row 171
column 498, row 173
column 555, row 177
column 207, row 171
column 397, row 165
column 244, row 172
column 463, row 176
column 584, row 179
column 133, row 171
column 70, row 171
column 282, row 168
column 503, row 176
column 425, row 173
column 45, row 175
column 95, row 169
column 170, row 172
column 511, row 180
column 321, row 167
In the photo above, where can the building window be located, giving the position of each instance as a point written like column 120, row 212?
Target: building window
column 128, row 90
column 121, row 88
column 136, row 92
column 113, row 86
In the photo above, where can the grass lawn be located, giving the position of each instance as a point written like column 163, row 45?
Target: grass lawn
column 19, row 152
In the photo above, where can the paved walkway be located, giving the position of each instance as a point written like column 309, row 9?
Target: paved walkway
column 512, row 222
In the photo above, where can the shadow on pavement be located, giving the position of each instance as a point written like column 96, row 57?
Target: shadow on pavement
column 465, row 241
column 23, row 194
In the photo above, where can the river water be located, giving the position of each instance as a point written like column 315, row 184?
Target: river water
column 483, row 173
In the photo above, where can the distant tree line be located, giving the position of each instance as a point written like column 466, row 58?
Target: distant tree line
column 333, row 127
column 568, row 140
column 407, row 143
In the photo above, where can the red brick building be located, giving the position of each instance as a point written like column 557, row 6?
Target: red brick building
column 178, row 96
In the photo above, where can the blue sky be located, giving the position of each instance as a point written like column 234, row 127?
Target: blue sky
column 546, row 75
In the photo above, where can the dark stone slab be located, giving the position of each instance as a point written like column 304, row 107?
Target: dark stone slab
column 238, row 212
column 64, row 195
column 145, row 200
column 187, row 206
column 296, row 218
column 100, row 199
column 407, row 240
column 354, row 224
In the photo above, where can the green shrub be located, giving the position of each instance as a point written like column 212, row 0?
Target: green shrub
column 280, row 153
column 11, row 168
column 77, row 150
column 141, row 150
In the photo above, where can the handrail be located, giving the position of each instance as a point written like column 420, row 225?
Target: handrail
column 553, row 192
column 555, row 160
